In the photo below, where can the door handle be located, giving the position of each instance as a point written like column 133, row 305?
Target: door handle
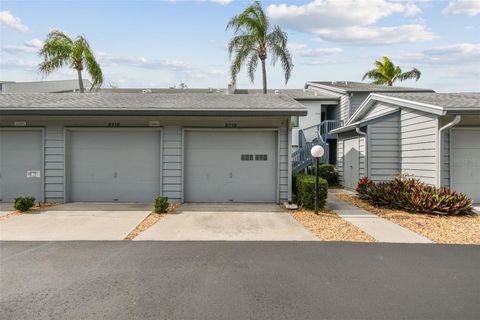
column 231, row 175
column 115, row 174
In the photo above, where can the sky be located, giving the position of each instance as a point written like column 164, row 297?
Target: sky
column 165, row 43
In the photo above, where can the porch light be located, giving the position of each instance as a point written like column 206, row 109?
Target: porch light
column 317, row 152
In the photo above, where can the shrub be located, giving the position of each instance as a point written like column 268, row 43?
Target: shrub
column 305, row 191
column 328, row 172
column 23, row 204
column 161, row 204
column 414, row 196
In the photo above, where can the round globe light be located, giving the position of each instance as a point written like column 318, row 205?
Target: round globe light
column 317, row 151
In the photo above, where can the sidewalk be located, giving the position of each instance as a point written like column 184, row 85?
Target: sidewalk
column 382, row 230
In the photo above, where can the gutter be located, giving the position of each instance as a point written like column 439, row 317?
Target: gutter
column 439, row 147
column 364, row 134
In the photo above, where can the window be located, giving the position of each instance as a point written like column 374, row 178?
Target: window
column 247, row 157
column 261, row 157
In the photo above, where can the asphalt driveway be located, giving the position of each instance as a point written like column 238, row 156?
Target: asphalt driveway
column 76, row 221
column 228, row 222
column 237, row 280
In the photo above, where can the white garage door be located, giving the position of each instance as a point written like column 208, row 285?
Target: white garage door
column 466, row 162
column 20, row 164
column 114, row 165
column 351, row 163
column 225, row 166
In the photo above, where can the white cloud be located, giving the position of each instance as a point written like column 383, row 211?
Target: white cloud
column 321, row 14
column 411, row 9
column 142, row 62
column 10, row 21
column 451, row 54
column 18, row 64
column 302, row 50
column 351, row 21
column 462, row 7
column 378, row 35
column 222, row 2
column 31, row 46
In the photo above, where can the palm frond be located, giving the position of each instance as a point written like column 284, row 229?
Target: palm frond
column 252, row 66
column 93, row 68
column 412, row 74
column 56, row 52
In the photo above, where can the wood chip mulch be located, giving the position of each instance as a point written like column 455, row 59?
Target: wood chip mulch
column 328, row 226
column 35, row 209
column 150, row 220
column 438, row 228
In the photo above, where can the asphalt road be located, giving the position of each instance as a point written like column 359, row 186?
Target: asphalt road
column 238, row 280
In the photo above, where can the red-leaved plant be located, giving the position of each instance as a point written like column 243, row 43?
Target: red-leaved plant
column 412, row 195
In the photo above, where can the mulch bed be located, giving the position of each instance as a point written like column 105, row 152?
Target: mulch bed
column 35, row 209
column 438, row 228
column 150, row 220
column 328, row 226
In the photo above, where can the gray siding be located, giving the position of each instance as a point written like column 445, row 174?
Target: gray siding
column 172, row 153
column 379, row 109
column 284, row 161
column 355, row 101
column 54, row 163
column 172, row 163
column 341, row 112
column 418, row 144
column 384, row 148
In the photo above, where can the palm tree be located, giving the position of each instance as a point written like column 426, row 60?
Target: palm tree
column 60, row 50
column 254, row 37
column 386, row 72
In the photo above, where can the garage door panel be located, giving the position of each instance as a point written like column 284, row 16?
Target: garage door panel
column 466, row 163
column 115, row 165
column 215, row 172
column 20, row 151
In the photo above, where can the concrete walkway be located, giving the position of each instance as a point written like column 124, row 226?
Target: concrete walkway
column 76, row 221
column 381, row 229
column 228, row 222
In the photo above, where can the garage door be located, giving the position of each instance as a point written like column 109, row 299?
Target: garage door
column 20, row 164
column 222, row 166
column 466, row 162
column 113, row 165
column 351, row 163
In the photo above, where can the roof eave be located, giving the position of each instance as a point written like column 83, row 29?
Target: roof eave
column 108, row 112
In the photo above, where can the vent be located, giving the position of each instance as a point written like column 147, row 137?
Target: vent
column 246, row 157
column 261, row 157
column 20, row 123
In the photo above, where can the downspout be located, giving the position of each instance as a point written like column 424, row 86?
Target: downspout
column 364, row 134
column 439, row 147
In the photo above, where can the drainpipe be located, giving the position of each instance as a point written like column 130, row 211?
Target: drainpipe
column 364, row 134
column 439, row 147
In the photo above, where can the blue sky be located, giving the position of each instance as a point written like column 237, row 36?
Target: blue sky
column 164, row 43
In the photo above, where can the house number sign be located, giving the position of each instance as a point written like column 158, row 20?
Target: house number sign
column 230, row 125
column 114, row 124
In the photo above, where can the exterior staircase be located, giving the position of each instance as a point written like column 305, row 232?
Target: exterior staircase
column 312, row 136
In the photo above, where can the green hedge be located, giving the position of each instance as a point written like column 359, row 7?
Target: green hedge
column 161, row 204
column 23, row 203
column 328, row 172
column 304, row 188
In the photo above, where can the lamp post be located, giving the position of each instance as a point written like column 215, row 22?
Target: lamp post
column 317, row 152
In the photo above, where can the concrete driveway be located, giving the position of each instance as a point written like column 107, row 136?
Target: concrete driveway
column 76, row 221
column 228, row 222
column 6, row 208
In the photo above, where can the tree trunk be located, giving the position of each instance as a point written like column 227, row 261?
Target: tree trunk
column 80, row 81
column 264, row 75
